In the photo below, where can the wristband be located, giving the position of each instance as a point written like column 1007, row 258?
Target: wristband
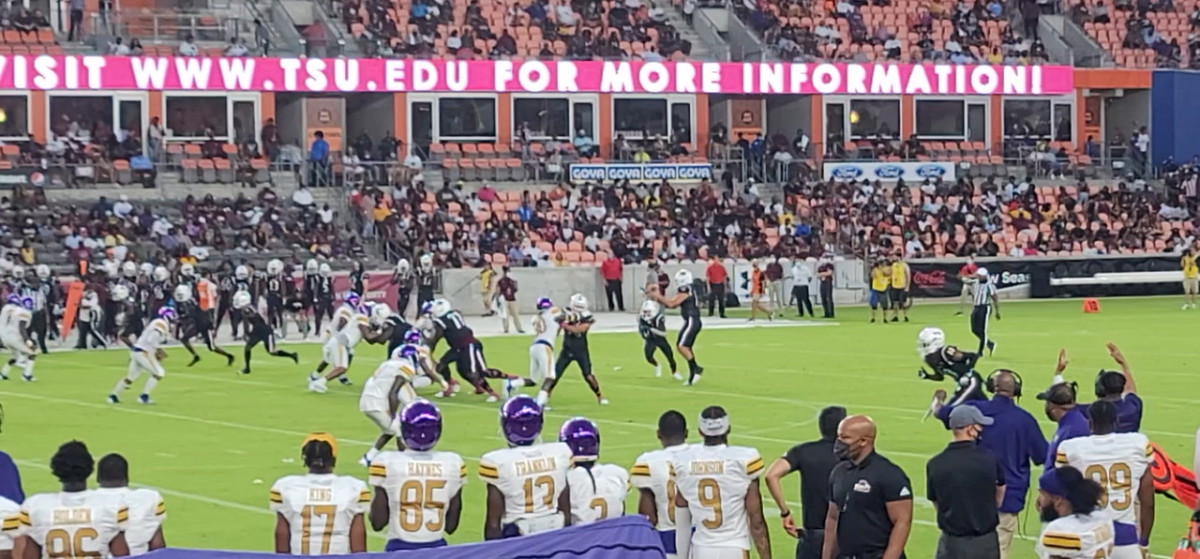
column 785, row 514
column 1144, row 542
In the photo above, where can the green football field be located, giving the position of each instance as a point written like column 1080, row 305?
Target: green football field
column 215, row 441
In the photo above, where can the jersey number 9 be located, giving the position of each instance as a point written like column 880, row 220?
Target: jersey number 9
column 710, row 496
column 415, row 498
column 61, row 544
column 1117, row 478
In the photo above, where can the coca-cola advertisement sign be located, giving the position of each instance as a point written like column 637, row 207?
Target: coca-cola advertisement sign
column 931, row 279
column 939, row 278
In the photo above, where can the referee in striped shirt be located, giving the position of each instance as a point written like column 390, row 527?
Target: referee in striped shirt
column 986, row 303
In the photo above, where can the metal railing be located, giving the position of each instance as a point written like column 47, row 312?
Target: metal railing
column 284, row 36
column 151, row 27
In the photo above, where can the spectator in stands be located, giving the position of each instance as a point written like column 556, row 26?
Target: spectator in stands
column 318, row 159
column 188, row 46
column 118, row 48
column 262, row 38
column 76, row 20
column 270, row 139
column 585, row 146
column 506, row 45
column 236, row 47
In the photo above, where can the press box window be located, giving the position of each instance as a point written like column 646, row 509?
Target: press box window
column 462, row 118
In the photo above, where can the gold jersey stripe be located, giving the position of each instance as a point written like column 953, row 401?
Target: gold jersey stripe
column 364, row 497
column 380, row 471
column 23, row 518
column 123, row 514
column 1062, row 541
column 755, row 466
column 463, row 471
column 161, row 509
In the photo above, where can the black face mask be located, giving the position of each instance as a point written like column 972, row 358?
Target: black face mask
column 1048, row 513
column 841, row 449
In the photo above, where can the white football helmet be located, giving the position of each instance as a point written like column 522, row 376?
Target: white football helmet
column 426, row 261
column 129, row 269
column 43, row 271
column 930, row 340
column 326, row 270
column 403, row 266
column 241, row 300
column 578, row 302
column 311, row 266
column 440, row 307
column 187, row 270
column 112, row 268
column 161, row 274
column 683, row 278
column 275, row 266
column 120, row 293
column 183, row 293
column 146, row 269
column 380, row 312
column 241, row 272
column 650, row 309
column 18, row 272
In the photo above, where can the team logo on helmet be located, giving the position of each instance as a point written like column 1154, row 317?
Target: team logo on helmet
column 420, row 425
column 521, row 420
column 582, row 436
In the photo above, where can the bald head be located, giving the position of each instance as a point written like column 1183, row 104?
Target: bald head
column 856, row 438
column 858, row 426
column 1005, row 383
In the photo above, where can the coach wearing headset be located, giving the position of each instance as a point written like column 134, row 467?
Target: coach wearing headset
column 1013, row 437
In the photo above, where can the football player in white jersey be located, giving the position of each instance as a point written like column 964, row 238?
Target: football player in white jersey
column 1120, row 463
column 391, row 387
column 15, row 318
column 351, row 323
column 320, row 513
column 145, row 357
column 74, row 522
column 425, row 484
column 547, row 323
column 10, row 524
column 653, row 474
column 143, row 532
column 597, row 490
column 718, row 506
column 527, row 482
column 1075, row 527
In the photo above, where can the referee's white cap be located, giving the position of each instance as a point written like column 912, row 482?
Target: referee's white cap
column 982, row 272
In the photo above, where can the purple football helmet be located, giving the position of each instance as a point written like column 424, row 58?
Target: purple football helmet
column 167, row 313
column 544, row 303
column 14, row 299
column 427, row 307
column 352, row 299
column 583, row 437
column 413, row 336
column 420, row 425
column 521, row 420
column 27, row 302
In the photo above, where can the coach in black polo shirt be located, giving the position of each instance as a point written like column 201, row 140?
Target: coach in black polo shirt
column 870, row 498
column 814, row 460
column 966, row 484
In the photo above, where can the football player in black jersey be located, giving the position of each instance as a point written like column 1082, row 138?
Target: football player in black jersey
column 652, row 325
column 322, row 292
column 160, row 288
column 273, row 290
column 243, row 282
column 402, row 278
column 465, row 351
column 194, row 322
column 689, row 308
column 389, row 328
column 225, row 291
column 257, row 331
column 949, row 361
column 294, row 303
column 575, row 349
column 426, row 275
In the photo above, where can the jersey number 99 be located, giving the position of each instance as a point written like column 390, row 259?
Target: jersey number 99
column 1118, row 478
column 61, row 544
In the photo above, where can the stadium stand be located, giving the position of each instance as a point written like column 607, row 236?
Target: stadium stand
column 1144, row 34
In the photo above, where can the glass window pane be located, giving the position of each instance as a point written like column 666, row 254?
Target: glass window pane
column 638, row 119
column 874, row 118
column 467, row 117
column 585, row 119
column 77, row 117
column 835, row 124
column 14, row 116
column 941, row 119
column 545, row 117
column 681, row 122
column 977, row 123
column 1026, row 118
column 1063, row 128
column 131, row 116
column 196, row 117
column 244, row 122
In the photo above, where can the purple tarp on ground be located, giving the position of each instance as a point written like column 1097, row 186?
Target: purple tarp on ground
column 628, row 537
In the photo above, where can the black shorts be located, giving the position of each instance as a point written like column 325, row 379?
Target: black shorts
column 577, row 355
column 469, row 360
column 265, row 337
column 689, row 332
column 293, row 305
column 201, row 332
column 898, row 296
column 133, row 328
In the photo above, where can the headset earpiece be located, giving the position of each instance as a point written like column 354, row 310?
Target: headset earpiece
column 990, row 382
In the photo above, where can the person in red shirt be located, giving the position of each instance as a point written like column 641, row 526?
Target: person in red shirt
column 612, row 270
column 967, row 275
column 717, row 276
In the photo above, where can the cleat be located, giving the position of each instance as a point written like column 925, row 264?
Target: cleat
column 677, row 376
column 244, row 371
column 992, row 349
column 3, row 376
column 506, row 390
column 229, row 361
column 112, row 399
column 195, row 359
column 295, row 359
column 345, row 381
column 603, row 401
column 455, row 386
column 895, row 319
column 363, row 461
column 145, row 399
column 657, row 370
column 492, row 398
column 28, row 378
column 319, row 386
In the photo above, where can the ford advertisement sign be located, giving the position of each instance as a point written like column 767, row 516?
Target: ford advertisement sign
column 635, row 172
column 910, row 172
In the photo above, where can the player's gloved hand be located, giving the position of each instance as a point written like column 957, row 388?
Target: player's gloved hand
column 922, row 373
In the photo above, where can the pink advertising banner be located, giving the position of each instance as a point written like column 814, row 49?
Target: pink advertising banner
column 321, row 75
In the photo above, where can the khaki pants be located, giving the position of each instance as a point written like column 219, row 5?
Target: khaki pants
column 1006, row 530
column 510, row 313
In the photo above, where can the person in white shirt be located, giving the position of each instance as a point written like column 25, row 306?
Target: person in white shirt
column 802, row 277
column 547, row 323
column 122, row 208
column 236, row 48
column 145, row 357
column 425, row 485
column 1120, row 463
column 303, row 197
column 597, row 490
column 118, row 47
column 73, row 522
column 147, row 512
column 653, row 476
column 528, row 491
column 412, row 160
column 1074, row 526
column 718, row 506
column 188, row 47
column 320, row 513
